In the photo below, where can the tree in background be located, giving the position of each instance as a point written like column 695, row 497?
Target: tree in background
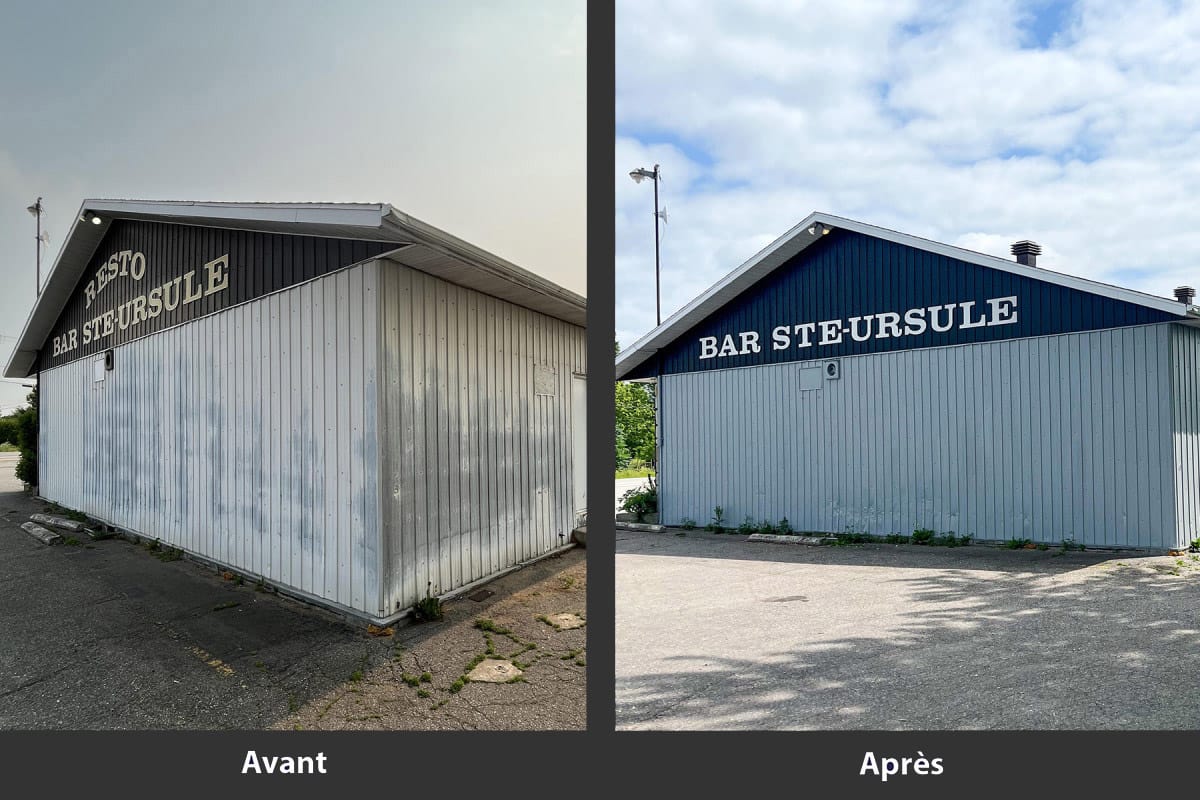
column 635, row 422
column 27, row 436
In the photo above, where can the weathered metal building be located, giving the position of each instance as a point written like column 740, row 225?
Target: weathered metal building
column 337, row 398
column 849, row 377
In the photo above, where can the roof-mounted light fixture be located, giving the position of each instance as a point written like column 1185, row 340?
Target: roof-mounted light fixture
column 91, row 216
column 818, row 227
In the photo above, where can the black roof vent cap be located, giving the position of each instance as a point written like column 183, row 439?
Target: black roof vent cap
column 1184, row 294
column 1026, row 252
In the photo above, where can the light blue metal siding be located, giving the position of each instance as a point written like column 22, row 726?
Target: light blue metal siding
column 220, row 436
column 1044, row 438
column 1185, row 394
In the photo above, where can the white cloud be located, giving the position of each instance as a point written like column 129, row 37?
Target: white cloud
column 946, row 120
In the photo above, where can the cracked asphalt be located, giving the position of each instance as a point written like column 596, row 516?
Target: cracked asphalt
column 717, row 633
column 550, row 696
column 102, row 635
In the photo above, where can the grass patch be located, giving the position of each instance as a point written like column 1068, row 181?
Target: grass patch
column 488, row 625
column 356, row 676
column 635, row 473
column 5, row 447
column 458, row 685
column 423, row 693
column 412, row 680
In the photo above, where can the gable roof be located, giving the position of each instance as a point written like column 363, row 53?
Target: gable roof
column 418, row 245
column 798, row 239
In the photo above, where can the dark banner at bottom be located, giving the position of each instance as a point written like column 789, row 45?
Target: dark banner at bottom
column 928, row 764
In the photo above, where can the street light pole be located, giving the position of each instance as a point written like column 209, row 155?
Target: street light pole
column 638, row 176
column 657, row 272
column 36, row 210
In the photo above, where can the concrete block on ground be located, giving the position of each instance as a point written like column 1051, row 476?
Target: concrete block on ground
column 494, row 670
column 41, row 534
column 639, row 526
column 58, row 522
column 785, row 539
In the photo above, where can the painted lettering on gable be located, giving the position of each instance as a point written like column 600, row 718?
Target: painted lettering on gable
column 211, row 278
column 881, row 325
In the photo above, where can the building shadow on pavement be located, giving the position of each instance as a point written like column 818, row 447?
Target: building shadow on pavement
column 983, row 639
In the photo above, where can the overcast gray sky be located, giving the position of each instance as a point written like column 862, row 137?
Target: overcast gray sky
column 972, row 122
column 468, row 115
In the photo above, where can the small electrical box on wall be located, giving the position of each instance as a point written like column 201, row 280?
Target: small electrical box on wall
column 833, row 370
column 108, row 360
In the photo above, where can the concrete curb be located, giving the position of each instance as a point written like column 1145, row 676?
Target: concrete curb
column 640, row 526
column 780, row 538
column 41, row 534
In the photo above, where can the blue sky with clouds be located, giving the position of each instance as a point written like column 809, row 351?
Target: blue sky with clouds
column 973, row 123
column 468, row 115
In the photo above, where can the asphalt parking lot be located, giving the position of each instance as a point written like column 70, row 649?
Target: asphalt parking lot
column 718, row 633
column 105, row 635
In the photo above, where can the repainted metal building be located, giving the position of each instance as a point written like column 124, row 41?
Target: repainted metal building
column 849, row 377
column 337, row 398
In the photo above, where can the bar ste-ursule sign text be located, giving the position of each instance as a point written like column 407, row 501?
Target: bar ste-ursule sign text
column 884, row 325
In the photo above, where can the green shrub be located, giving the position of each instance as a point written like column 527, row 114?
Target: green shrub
column 922, row 536
column 687, row 523
column 428, row 608
column 640, row 501
column 766, row 526
column 784, row 527
column 1017, row 544
column 748, row 526
column 896, row 538
column 717, row 525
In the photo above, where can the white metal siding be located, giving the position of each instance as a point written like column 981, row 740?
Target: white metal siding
column 249, row 437
column 1043, row 438
column 476, row 465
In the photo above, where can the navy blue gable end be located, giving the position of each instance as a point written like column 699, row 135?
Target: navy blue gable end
column 852, row 294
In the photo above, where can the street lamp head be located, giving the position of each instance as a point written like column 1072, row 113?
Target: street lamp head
column 34, row 209
column 642, row 173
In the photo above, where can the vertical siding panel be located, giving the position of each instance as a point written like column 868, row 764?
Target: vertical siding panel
column 356, row 499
